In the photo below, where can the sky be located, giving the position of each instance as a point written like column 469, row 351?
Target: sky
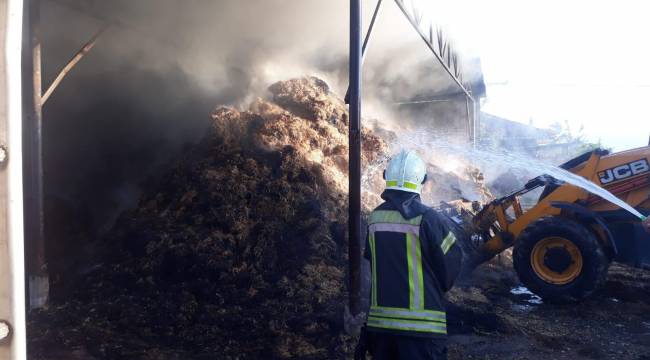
column 583, row 62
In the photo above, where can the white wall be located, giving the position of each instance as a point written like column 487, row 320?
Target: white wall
column 12, row 277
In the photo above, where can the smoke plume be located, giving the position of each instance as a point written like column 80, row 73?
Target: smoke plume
column 146, row 90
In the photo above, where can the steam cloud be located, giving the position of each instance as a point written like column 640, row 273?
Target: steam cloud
column 146, row 90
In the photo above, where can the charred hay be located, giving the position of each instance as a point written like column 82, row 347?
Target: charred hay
column 239, row 251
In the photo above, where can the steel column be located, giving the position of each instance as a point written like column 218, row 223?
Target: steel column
column 38, row 282
column 354, row 175
column 366, row 41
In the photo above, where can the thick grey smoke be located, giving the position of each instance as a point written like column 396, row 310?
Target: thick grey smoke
column 146, row 90
column 220, row 44
column 149, row 85
column 243, row 45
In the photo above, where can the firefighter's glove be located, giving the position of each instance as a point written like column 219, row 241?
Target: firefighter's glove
column 353, row 324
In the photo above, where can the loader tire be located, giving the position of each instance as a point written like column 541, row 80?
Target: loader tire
column 560, row 260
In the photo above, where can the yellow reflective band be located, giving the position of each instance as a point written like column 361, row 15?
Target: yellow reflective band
column 407, row 325
column 408, row 185
column 398, row 228
column 420, row 276
column 419, row 320
column 373, row 286
column 424, row 311
column 416, row 279
column 448, row 242
column 392, row 217
column 411, row 271
column 437, row 316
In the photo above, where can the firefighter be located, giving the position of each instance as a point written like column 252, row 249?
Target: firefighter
column 414, row 260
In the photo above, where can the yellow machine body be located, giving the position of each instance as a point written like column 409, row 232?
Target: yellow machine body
column 626, row 174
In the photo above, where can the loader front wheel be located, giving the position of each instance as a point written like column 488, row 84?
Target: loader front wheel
column 560, row 259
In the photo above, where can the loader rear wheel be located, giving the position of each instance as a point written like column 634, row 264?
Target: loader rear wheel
column 560, row 259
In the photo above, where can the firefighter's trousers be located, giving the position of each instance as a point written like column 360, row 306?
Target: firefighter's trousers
column 395, row 347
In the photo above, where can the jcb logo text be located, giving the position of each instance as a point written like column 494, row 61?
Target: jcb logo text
column 624, row 171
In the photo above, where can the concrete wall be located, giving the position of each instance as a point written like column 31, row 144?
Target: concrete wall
column 12, row 277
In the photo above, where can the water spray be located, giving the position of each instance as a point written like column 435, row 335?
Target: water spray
column 429, row 144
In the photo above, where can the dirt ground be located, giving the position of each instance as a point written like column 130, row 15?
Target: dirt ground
column 495, row 318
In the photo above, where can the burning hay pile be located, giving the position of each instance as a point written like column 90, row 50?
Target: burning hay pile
column 237, row 253
column 240, row 251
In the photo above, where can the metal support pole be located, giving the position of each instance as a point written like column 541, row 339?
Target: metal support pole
column 477, row 122
column 470, row 123
column 38, row 281
column 364, row 52
column 354, row 221
column 370, row 27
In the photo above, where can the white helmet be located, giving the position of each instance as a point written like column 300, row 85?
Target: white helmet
column 406, row 172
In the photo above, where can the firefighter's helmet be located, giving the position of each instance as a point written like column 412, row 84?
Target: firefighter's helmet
column 406, row 172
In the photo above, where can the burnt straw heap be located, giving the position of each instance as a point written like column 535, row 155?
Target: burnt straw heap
column 238, row 251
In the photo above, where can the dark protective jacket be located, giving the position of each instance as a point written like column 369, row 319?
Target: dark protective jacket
column 414, row 261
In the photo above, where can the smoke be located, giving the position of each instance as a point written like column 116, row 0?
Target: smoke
column 126, row 112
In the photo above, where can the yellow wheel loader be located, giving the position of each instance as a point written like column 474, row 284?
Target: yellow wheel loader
column 564, row 243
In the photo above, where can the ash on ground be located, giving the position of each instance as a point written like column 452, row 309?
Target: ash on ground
column 488, row 320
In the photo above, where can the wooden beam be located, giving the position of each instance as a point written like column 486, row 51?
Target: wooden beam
column 72, row 63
